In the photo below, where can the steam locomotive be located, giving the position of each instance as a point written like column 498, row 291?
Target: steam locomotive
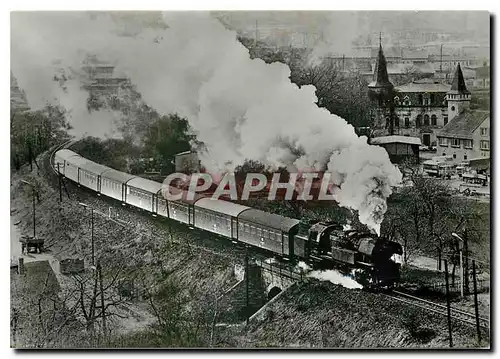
column 365, row 256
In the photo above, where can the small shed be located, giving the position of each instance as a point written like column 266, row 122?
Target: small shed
column 399, row 148
column 187, row 162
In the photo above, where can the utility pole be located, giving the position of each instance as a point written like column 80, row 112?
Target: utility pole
column 91, row 229
column 60, row 184
column 34, row 205
column 460, row 248
column 103, row 311
column 448, row 301
column 466, row 263
column 476, row 306
column 247, row 285
column 34, row 213
column 256, row 32
column 441, row 61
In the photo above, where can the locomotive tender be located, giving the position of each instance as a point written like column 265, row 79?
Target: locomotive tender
column 368, row 258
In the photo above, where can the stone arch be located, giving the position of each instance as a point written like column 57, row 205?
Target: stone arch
column 273, row 292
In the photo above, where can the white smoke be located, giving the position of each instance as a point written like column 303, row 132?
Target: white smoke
column 336, row 278
column 338, row 31
column 47, row 46
column 239, row 108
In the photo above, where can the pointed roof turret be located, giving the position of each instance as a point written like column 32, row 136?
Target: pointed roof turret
column 458, row 85
column 380, row 75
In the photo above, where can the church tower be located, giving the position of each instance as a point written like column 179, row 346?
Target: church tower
column 380, row 91
column 458, row 97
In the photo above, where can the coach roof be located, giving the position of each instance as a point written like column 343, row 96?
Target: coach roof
column 65, row 154
column 276, row 221
column 117, row 176
column 145, row 184
column 217, row 205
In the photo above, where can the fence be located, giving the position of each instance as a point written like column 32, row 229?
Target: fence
column 483, row 286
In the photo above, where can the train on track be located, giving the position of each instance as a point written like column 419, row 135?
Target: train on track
column 369, row 259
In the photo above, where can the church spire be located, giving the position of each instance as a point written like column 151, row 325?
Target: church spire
column 380, row 75
column 458, row 85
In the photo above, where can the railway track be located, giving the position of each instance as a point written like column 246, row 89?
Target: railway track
column 457, row 314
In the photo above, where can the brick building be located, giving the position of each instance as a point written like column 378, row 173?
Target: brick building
column 420, row 108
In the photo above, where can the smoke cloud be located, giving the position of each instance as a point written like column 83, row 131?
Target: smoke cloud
column 239, row 108
column 47, row 47
column 339, row 29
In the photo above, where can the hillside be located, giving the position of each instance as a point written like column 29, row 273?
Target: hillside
column 316, row 314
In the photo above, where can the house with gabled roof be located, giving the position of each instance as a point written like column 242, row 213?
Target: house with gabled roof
column 466, row 137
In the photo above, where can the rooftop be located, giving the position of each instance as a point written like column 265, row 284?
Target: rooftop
column 395, row 139
column 424, row 85
column 464, row 124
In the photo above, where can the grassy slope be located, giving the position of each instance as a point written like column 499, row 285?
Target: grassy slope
column 320, row 314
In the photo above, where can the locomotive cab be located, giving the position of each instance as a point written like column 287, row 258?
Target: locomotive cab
column 319, row 237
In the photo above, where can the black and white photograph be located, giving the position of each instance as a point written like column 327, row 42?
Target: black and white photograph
column 250, row 180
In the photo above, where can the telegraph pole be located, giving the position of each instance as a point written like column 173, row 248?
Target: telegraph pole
column 34, row 215
column 91, row 229
column 441, row 61
column 466, row 263
column 60, row 184
column 247, row 285
column 34, row 204
column 448, row 301
column 476, row 306
column 99, row 272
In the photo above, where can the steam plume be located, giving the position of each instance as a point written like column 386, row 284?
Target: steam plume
column 239, row 108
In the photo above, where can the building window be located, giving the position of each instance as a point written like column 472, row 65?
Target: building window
column 396, row 101
column 453, row 108
column 406, row 101
column 467, row 143
column 485, row 145
column 445, row 120
column 407, row 122
column 426, row 100
column 443, row 142
column 421, row 99
column 387, row 122
column 396, row 121
column 426, row 120
column 419, row 121
column 455, row 142
column 465, row 157
column 484, row 131
column 434, row 120
column 454, row 155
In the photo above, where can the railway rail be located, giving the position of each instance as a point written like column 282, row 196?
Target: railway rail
column 457, row 314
